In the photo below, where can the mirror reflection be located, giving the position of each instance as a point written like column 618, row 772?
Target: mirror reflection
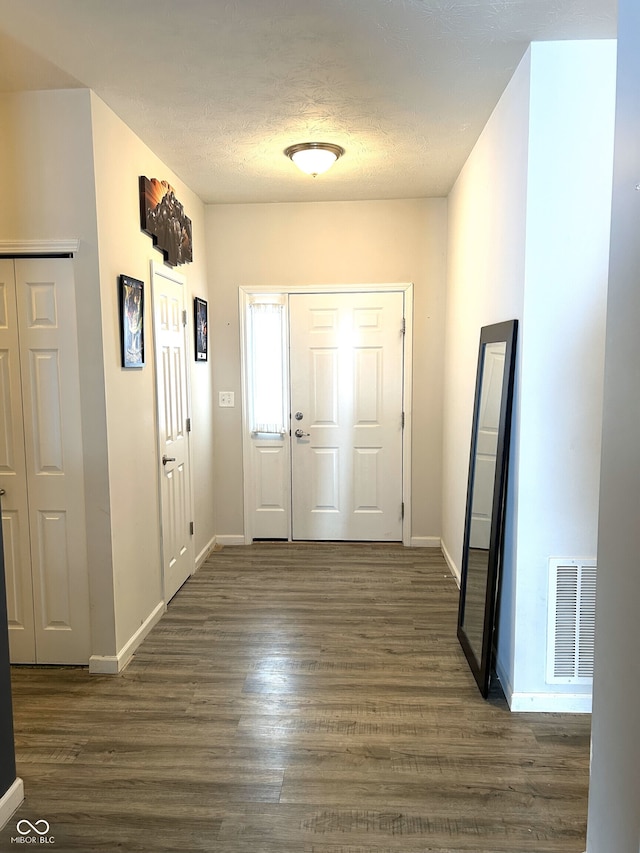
column 483, row 477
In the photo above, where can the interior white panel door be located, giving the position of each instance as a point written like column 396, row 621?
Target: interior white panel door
column 54, row 458
column 13, row 479
column 346, row 362
column 173, row 437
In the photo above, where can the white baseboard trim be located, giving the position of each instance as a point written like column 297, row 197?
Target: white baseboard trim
column 230, row 540
column 11, row 801
column 551, row 703
column 113, row 664
column 543, row 703
column 505, row 682
column 425, row 542
column 202, row 556
column 450, row 562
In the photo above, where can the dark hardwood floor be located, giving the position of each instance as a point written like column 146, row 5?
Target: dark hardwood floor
column 298, row 699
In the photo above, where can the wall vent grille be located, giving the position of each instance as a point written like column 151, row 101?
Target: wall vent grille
column 571, row 621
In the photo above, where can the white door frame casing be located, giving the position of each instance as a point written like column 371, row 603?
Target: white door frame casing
column 158, row 269
column 245, row 293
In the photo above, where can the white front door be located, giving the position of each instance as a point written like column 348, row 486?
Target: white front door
column 346, row 367
column 173, row 431
column 41, row 464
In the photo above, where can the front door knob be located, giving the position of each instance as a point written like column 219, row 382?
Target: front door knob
column 300, row 434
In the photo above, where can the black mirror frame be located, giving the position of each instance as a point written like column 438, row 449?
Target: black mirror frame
column 496, row 333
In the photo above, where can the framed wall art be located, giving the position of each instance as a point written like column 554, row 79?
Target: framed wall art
column 201, row 329
column 131, row 293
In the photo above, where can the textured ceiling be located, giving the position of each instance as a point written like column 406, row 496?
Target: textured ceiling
column 219, row 88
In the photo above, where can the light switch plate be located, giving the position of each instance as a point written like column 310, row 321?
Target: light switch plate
column 226, row 399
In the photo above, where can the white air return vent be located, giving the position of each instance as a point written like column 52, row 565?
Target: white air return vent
column 571, row 621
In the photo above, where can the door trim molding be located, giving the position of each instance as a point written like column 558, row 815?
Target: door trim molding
column 39, row 247
column 245, row 292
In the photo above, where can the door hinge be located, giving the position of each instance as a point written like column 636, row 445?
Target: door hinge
column 184, row 317
column 404, row 326
column 402, row 510
column 191, row 527
column 402, row 420
column 188, row 424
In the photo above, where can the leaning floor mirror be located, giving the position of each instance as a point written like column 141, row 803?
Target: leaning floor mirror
column 486, row 491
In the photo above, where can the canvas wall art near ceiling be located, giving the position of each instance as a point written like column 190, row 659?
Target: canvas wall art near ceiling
column 163, row 218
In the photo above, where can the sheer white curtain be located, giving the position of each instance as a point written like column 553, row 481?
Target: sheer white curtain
column 266, row 342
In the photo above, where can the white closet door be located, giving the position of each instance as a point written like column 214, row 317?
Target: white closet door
column 13, row 479
column 54, row 458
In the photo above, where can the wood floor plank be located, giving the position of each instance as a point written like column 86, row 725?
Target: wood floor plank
column 298, row 698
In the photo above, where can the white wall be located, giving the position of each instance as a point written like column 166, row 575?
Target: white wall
column 614, row 797
column 330, row 243
column 485, row 281
column 47, row 175
column 528, row 238
column 120, row 158
column 69, row 169
column 562, row 346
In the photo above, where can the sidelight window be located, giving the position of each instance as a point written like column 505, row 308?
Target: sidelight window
column 267, row 365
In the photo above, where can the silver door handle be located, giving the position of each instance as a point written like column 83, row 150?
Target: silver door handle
column 300, row 434
column 166, row 459
column 2, row 492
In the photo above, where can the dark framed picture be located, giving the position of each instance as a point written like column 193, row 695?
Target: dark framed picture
column 200, row 324
column 131, row 321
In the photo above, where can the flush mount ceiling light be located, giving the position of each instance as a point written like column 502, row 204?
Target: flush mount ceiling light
column 314, row 158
